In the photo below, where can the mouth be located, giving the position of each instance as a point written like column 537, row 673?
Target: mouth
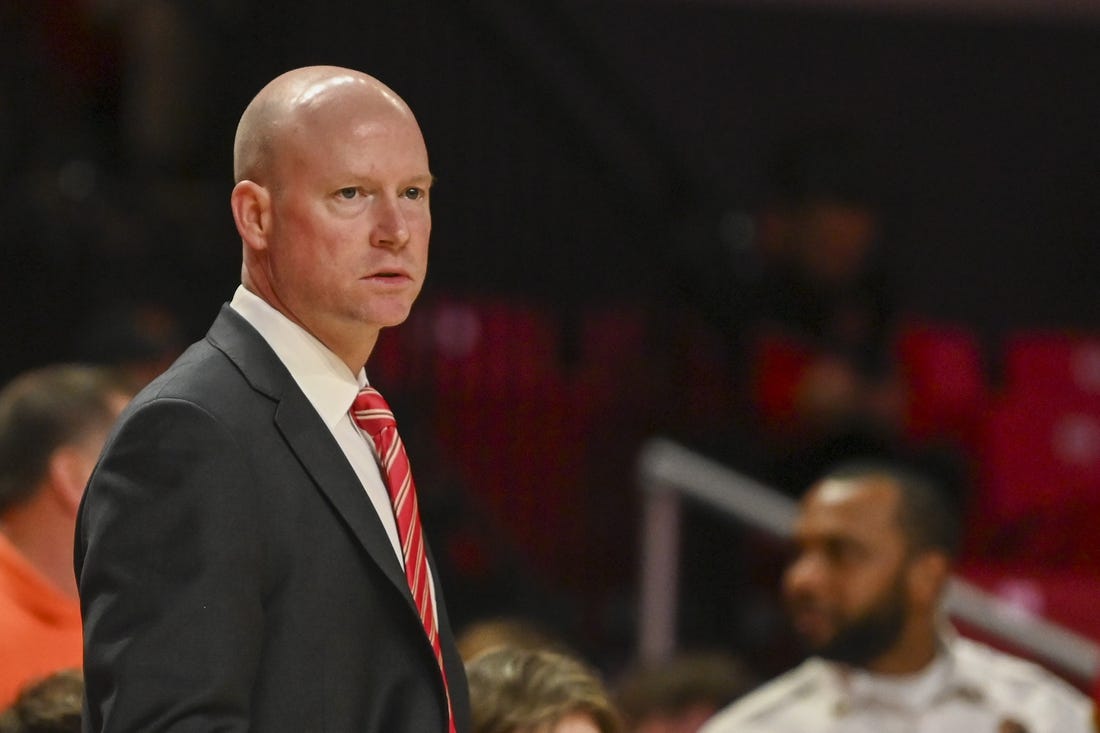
column 811, row 622
column 388, row 276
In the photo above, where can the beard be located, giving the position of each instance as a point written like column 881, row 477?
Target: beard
column 862, row 639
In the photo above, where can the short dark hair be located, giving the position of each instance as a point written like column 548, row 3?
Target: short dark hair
column 45, row 409
column 926, row 516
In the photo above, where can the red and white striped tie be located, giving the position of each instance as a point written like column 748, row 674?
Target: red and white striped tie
column 373, row 416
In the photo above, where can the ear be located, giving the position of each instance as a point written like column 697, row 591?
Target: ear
column 251, row 204
column 928, row 574
column 69, row 468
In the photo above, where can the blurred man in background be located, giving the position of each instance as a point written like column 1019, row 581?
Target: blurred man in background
column 875, row 548
column 53, row 422
column 821, row 313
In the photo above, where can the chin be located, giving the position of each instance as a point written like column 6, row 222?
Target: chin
column 386, row 314
column 389, row 320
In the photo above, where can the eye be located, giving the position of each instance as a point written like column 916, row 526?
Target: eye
column 413, row 193
column 348, row 192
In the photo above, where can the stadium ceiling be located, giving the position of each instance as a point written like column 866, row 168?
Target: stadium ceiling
column 1054, row 10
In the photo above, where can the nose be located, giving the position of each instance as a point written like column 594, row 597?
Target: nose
column 804, row 575
column 391, row 227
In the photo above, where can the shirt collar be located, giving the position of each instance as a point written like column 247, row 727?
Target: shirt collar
column 325, row 380
column 941, row 680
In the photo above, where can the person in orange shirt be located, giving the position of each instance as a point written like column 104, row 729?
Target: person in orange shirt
column 53, row 422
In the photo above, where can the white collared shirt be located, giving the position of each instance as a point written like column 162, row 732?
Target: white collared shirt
column 330, row 387
column 969, row 688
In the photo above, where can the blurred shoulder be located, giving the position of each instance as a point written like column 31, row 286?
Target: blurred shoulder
column 1023, row 688
column 1008, row 674
column 784, row 704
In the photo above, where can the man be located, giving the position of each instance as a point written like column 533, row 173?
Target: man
column 875, row 548
column 53, row 421
column 239, row 558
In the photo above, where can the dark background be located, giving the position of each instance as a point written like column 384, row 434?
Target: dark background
column 585, row 150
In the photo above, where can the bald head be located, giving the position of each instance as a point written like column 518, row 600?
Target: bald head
column 329, row 160
column 288, row 103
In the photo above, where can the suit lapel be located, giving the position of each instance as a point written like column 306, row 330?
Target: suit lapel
column 309, row 439
column 322, row 458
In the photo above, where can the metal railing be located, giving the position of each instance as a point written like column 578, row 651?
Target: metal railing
column 668, row 473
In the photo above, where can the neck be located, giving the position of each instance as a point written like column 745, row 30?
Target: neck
column 350, row 348
column 44, row 537
column 351, row 342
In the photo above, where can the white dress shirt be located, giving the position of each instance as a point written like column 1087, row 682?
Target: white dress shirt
column 330, row 387
column 969, row 688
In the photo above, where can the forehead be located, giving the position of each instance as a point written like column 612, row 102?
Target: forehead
column 864, row 510
column 351, row 125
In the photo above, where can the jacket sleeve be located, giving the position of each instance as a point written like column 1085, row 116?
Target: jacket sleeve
column 168, row 565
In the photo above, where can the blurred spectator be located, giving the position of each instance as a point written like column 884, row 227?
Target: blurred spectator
column 517, row 690
column 680, row 694
column 821, row 316
column 810, row 318
column 875, row 549
column 53, row 422
column 51, row 705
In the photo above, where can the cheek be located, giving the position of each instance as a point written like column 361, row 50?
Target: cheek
column 421, row 230
column 789, row 584
column 864, row 591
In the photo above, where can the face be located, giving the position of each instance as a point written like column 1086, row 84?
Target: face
column 347, row 250
column 572, row 723
column 846, row 590
column 836, row 239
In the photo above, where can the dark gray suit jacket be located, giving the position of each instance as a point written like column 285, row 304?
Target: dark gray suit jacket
column 233, row 574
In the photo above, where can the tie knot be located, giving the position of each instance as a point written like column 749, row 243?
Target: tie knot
column 371, row 413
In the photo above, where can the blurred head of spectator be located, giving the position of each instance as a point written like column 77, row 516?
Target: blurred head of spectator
column 518, row 690
column 53, row 422
column 51, row 705
column 820, row 216
column 678, row 695
column 875, row 546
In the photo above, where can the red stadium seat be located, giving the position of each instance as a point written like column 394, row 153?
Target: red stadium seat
column 1053, row 361
column 947, row 387
column 778, row 365
column 1039, row 482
